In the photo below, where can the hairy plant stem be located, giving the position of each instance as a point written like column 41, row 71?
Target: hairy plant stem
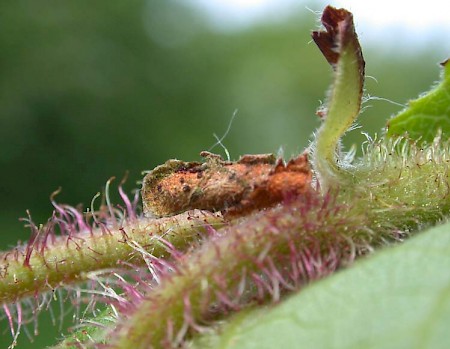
column 341, row 48
column 256, row 260
column 45, row 265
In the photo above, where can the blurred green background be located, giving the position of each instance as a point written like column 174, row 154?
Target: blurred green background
column 90, row 90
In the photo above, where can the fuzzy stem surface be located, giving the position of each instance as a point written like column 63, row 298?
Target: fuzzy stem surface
column 251, row 262
column 32, row 270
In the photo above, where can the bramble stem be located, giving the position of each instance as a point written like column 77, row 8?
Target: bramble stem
column 253, row 261
column 24, row 272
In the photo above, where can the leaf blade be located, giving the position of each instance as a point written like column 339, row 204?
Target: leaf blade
column 426, row 115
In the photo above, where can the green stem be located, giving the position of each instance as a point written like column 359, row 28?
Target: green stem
column 341, row 48
column 252, row 261
column 70, row 259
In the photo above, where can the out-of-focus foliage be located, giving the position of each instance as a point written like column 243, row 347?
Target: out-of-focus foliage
column 89, row 90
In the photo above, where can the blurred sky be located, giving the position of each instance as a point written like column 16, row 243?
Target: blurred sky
column 415, row 22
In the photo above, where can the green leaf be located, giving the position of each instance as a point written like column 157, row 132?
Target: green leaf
column 425, row 116
column 92, row 331
column 397, row 298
